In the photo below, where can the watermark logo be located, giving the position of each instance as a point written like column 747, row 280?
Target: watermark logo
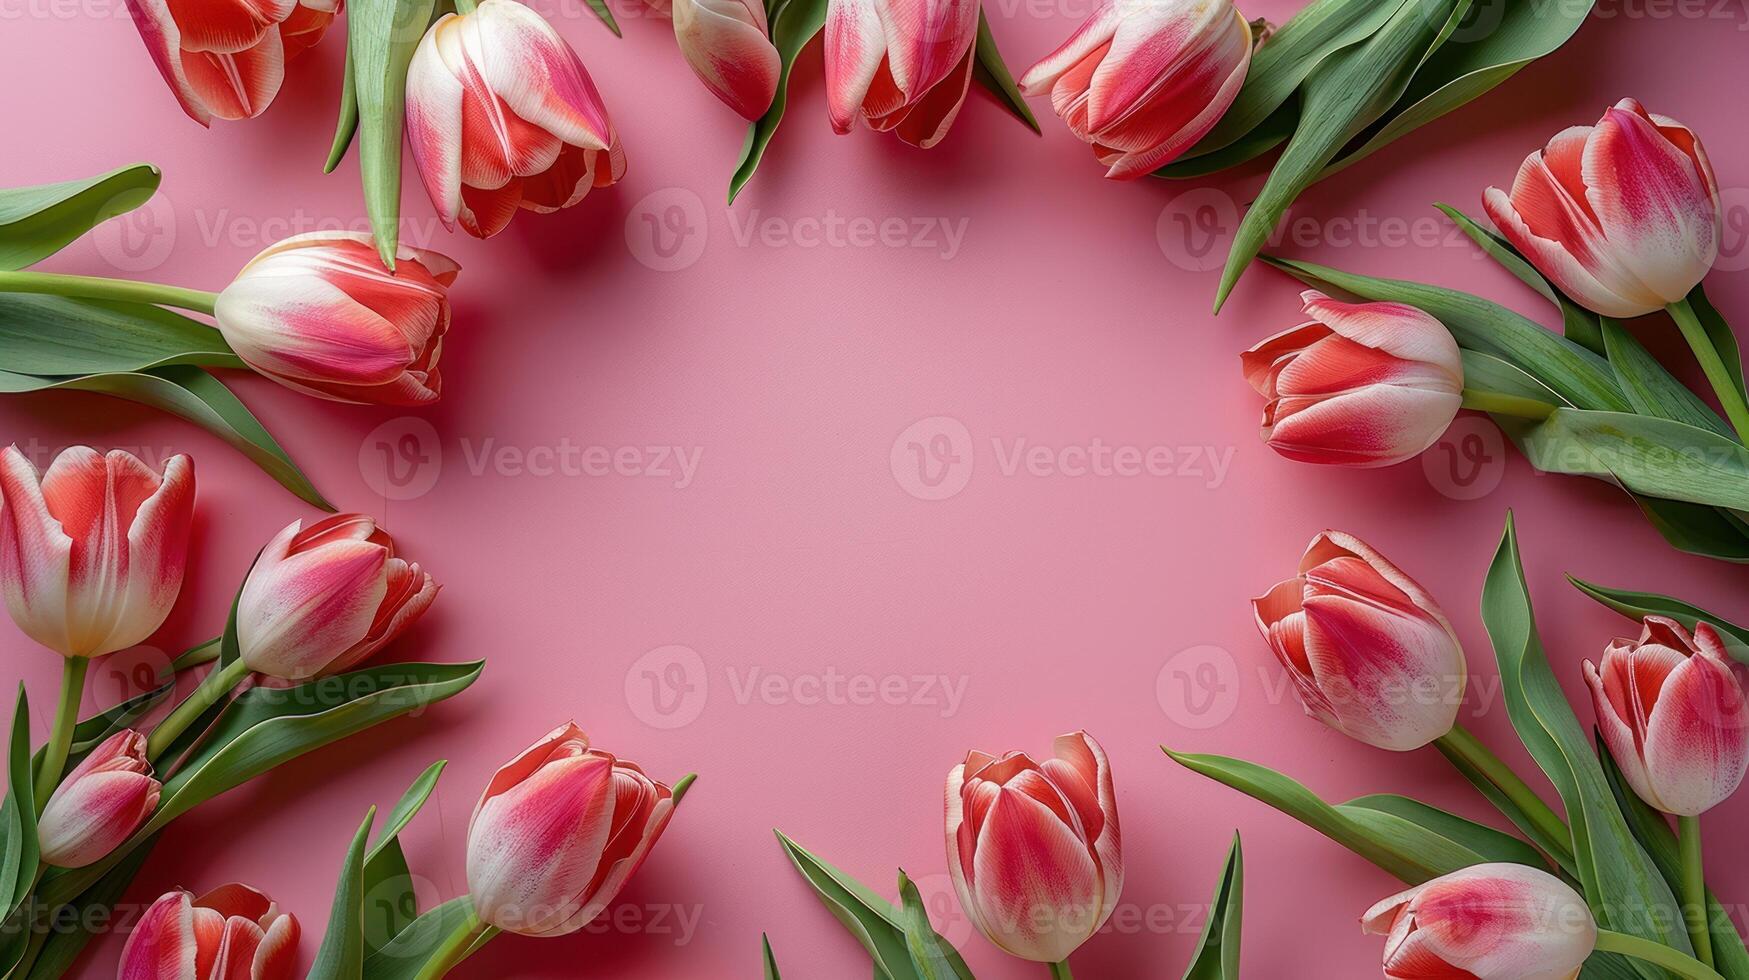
column 1469, row 461
column 140, row 240
column 1195, row 226
column 667, row 687
column 668, row 229
column 1733, row 230
column 1198, row 688
column 932, row 459
column 402, row 458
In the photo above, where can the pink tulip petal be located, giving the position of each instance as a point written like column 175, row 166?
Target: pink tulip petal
column 35, row 555
column 927, row 120
column 1697, row 745
column 162, row 944
column 1094, row 34
column 1039, row 889
column 434, row 122
column 530, row 67
column 227, row 26
column 1619, row 735
column 1397, row 329
column 276, row 958
column 298, row 610
column 856, row 47
column 164, row 43
column 926, row 41
column 1380, row 425
column 725, row 42
column 239, row 85
column 533, row 847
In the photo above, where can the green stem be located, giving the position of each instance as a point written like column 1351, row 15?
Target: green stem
column 193, row 657
column 468, row 936
column 1495, row 403
column 1463, row 743
column 1060, row 971
column 1717, row 374
column 1657, row 954
column 1694, row 907
column 94, row 287
column 61, row 735
column 464, row 7
column 216, row 683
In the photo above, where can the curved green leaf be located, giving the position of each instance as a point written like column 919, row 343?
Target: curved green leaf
column 870, row 918
column 1639, row 605
column 770, row 961
column 1267, row 135
column 933, row 957
column 1650, row 388
column 1486, row 842
column 1651, row 456
column 18, row 861
column 60, row 335
column 793, row 24
column 346, row 121
column 1579, row 324
column 405, row 956
column 381, row 38
column 341, row 955
column 992, row 73
column 38, row 221
column 1217, row 949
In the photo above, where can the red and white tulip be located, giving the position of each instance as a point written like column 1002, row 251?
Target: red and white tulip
column 320, row 314
column 322, row 598
column 1623, row 216
column 558, row 832
column 1360, row 384
column 231, row 933
column 100, row 803
column 905, row 67
column 502, row 115
column 1143, row 82
column 1673, row 713
column 1369, row 651
column 728, row 44
column 1033, row 848
column 1485, row 922
column 226, row 58
column 92, row 553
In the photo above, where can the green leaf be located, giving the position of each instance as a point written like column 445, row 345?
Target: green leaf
column 1561, row 850
column 1217, row 950
column 1650, row 388
column 870, row 918
column 58, row 335
column 793, row 24
column 1623, row 886
column 992, row 73
column 1719, row 332
column 381, row 38
column 389, row 900
column 405, row 956
column 194, row 396
column 264, row 727
column 1639, row 605
column 18, row 863
column 1369, row 838
column 1486, row 842
column 770, row 961
column 933, row 957
column 38, row 221
column 1581, row 377
column 1468, row 67
column 603, row 11
column 346, row 121
column 341, row 955
column 1342, row 96
column 1651, row 456
column 1268, row 135
column 67, row 941
column 1579, row 324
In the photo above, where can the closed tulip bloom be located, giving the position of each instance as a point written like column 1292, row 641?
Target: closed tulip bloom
column 322, row 598
column 320, row 314
column 100, row 803
column 1623, row 216
column 1485, row 922
column 1369, row 651
column 1360, row 384
column 231, row 933
column 1143, row 81
column 903, row 66
column 557, row 833
column 92, row 553
column 502, row 115
column 1673, row 714
column 1033, row 848
column 226, row 58
column 728, row 45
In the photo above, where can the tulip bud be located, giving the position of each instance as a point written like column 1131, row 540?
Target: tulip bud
column 92, row 553
column 1361, row 384
column 905, row 67
column 557, row 833
column 1033, row 849
column 1369, row 651
column 100, row 803
column 1622, row 216
column 728, row 45
column 1485, row 922
column 323, row 598
column 501, row 114
column 227, row 58
column 319, row 314
column 231, row 933
column 1143, row 82
column 1673, row 713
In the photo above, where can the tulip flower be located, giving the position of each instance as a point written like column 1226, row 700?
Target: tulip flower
column 227, row 58
column 1143, row 82
column 1369, row 651
column 1033, row 848
column 231, row 933
column 1360, row 384
column 557, row 833
column 1486, row 922
column 322, row 598
column 318, row 313
column 100, row 804
column 905, row 67
column 501, row 114
column 728, row 45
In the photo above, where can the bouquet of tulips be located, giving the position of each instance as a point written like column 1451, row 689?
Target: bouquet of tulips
column 1609, row 222
column 92, row 555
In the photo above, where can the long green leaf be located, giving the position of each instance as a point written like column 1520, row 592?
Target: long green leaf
column 1651, row 388
column 38, row 221
column 933, row 957
column 346, row 120
column 1490, row 844
column 871, row 919
column 1648, row 455
column 793, row 24
column 1217, row 949
column 407, row 954
column 1579, row 324
column 390, row 904
column 1720, row 333
column 1560, row 849
column 770, row 961
column 18, row 863
column 992, row 73
column 1639, row 605
column 59, row 335
column 341, row 955
column 381, row 38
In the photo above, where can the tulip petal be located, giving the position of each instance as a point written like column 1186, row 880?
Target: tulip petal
column 1092, row 36
column 276, row 958
column 1038, row 888
column 926, row 41
column 162, row 944
column 296, row 604
column 434, row 122
column 923, row 123
column 856, row 47
column 227, row 26
column 35, row 555
column 532, row 848
column 1697, row 741
column 1400, row 330
column 528, row 65
column 726, row 43
column 1380, row 425
column 240, row 85
column 164, row 43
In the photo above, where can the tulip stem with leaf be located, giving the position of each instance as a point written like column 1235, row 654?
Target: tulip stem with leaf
column 469, row 934
column 1694, row 909
column 1713, row 365
column 1499, row 403
column 97, row 287
column 1470, row 754
column 1658, row 954
column 73, row 670
column 1060, row 971
column 213, row 686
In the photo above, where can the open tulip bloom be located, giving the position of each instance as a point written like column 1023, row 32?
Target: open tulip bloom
column 231, row 933
column 226, row 58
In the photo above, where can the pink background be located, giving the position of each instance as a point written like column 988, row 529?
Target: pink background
column 1073, row 311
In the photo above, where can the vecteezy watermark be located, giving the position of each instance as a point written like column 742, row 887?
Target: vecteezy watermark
column 668, row 229
column 1196, row 227
column 1733, row 228
column 929, row 233
column 1198, row 688
column 668, row 688
column 934, row 458
column 1468, row 462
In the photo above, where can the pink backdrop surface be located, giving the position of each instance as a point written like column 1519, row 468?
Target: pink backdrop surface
column 733, row 617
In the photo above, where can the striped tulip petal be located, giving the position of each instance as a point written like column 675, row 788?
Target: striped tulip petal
column 1485, row 922
column 226, row 58
column 728, row 45
column 100, row 803
column 904, row 65
column 231, row 933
